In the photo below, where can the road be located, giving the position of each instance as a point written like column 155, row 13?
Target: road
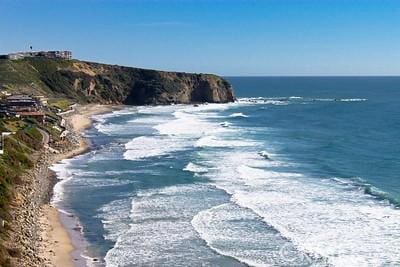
column 45, row 137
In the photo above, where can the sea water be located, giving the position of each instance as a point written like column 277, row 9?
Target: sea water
column 299, row 171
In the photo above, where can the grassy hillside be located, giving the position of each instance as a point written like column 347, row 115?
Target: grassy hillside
column 19, row 157
column 38, row 77
column 93, row 82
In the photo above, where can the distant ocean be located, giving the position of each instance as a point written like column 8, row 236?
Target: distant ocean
column 300, row 171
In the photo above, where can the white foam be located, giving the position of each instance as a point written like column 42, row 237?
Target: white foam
column 151, row 146
column 110, row 173
column 236, row 232
column 106, row 153
column 99, row 182
column 368, row 232
column 292, row 99
column 322, row 218
column 187, row 125
column 195, row 168
column 160, row 232
column 63, row 175
column 238, row 114
column 105, row 157
column 262, row 100
column 160, row 110
column 153, row 120
column 208, row 107
column 106, row 126
column 115, row 217
column 353, row 99
column 213, row 141
column 312, row 213
column 111, row 128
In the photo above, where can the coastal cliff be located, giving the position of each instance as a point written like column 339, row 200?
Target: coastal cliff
column 87, row 82
column 25, row 180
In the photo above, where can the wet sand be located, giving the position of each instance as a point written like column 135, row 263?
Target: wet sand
column 58, row 246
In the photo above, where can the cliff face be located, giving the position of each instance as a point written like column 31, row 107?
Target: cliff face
column 101, row 83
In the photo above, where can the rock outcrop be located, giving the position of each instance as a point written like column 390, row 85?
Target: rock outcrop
column 102, row 83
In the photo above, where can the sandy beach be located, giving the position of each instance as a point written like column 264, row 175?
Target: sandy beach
column 57, row 244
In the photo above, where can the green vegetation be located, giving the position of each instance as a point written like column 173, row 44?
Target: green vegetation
column 60, row 103
column 86, row 82
column 18, row 157
column 36, row 76
column 14, row 124
column 63, row 81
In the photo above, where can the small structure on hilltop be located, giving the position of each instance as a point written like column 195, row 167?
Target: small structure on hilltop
column 41, row 54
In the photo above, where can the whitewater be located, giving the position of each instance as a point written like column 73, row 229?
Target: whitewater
column 229, row 185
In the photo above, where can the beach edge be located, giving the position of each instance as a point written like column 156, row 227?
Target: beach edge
column 59, row 244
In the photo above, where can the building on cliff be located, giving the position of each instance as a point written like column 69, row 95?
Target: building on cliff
column 25, row 106
column 41, row 54
column 19, row 103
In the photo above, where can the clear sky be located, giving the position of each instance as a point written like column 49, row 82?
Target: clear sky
column 270, row 37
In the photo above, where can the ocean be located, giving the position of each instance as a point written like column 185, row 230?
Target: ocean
column 299, row 171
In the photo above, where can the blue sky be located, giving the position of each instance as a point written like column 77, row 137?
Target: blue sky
column 270, row 37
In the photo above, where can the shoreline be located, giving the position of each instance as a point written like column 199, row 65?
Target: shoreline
column 62, row 242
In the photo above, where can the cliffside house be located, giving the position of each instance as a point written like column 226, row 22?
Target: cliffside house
column 18, row 103
column 25, row 106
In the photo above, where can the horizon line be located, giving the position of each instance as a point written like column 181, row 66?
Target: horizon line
column 315, row 76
